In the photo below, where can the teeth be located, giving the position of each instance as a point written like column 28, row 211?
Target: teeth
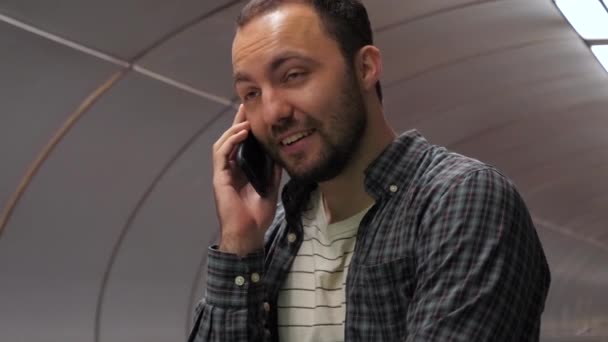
column 290, row 140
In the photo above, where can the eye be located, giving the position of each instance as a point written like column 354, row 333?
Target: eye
column 292, row 76
column 250, row 95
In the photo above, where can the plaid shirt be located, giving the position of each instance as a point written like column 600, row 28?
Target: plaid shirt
column 448, row 252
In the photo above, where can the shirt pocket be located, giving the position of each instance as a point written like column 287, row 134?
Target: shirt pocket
column 385, row 291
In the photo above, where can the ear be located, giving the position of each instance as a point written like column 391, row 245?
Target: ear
column 369, row 67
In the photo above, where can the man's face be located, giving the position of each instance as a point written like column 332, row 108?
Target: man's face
column 302, row 100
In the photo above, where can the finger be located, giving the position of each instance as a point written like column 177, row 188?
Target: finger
column 232, row 155
column 240, row 115
column 230, row 132
column 221, row 157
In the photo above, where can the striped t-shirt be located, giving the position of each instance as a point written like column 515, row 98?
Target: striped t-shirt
column 312, row 302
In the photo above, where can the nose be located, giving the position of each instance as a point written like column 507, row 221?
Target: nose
column 277, row 108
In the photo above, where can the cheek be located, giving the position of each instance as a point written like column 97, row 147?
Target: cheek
column 315, row 99
column 256, row 126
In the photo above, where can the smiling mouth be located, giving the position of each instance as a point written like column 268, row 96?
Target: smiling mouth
column 295, row 138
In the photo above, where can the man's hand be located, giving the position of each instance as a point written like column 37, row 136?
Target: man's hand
column 244, row 216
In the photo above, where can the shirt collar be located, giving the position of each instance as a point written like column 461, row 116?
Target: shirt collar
column 394, row 169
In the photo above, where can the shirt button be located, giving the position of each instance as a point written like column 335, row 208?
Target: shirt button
column 393, row 188
column 266, row 307
column 255, row 277
column 239, row 281
column 291, row 237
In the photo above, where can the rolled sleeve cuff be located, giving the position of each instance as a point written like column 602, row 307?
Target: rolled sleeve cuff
column 234, row 281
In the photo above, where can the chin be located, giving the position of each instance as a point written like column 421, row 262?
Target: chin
column 313, row 172
column 300, row 170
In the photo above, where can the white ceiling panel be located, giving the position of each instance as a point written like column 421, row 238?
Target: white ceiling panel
column 56, row 247
column 164, row 250
column 41, row 84
column 446, row 38
column 123, row 28
column 200, row 56
column 490, row 75
column 385, row 14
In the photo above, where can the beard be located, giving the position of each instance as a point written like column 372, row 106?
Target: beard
column 340, row 137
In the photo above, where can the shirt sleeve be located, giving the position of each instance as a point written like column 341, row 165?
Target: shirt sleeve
column 232, row 309
column 481, row 273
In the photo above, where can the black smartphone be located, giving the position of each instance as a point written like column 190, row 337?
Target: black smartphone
column 256, row 164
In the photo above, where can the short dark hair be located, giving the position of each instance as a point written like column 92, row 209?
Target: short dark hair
column 346, row 21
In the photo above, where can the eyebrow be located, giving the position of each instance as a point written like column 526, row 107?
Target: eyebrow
column 275, row 64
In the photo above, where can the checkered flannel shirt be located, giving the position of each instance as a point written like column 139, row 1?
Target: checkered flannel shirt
column 447, row 253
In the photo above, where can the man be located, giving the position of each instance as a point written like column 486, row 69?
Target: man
column 377, row 237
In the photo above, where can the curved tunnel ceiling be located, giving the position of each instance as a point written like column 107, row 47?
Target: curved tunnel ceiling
column 109, row 110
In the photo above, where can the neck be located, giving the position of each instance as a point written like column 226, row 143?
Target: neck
column 345, row 195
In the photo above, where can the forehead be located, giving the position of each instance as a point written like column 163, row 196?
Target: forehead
column 290, row 27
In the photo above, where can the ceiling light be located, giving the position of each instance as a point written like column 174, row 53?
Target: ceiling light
column 588, row 17
column 601, row 52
